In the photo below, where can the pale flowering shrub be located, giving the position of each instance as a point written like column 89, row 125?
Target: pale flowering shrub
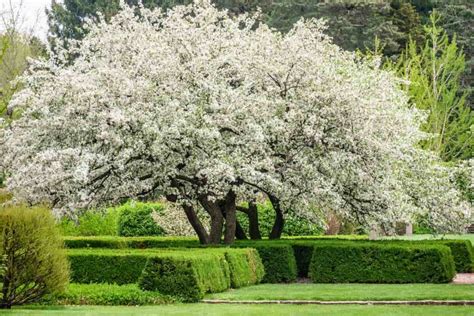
column 208, row 110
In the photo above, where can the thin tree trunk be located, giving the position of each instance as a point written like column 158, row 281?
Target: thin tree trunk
column 279, row 223
column 240, row 232
column 254, row 229
column 230, row 218
column 195, row 222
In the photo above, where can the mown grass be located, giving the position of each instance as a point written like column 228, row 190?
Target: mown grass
column 249, row 310
column 349, row 292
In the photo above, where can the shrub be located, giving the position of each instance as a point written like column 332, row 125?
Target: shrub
column 106, row 294
column 346, row 262
column 303, row 254
column 131, row 242
column 92, row 223
column 278, row 260
column 136, row 219
column 106, row 266
column 462, row 252
column 36, row 263
column 245, row 267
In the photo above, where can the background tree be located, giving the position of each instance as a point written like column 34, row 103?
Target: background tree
column 434, row 73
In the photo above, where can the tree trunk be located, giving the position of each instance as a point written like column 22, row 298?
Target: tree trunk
column 279, row 223
column 240, row 232
column 230, row 218
column 217, row 220
column 254, row 229
column 193, row 219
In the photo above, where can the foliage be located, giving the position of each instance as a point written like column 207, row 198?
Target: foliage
column 301, row 121
column 278, row 261
column 105, row 266
column 36, row 263
column 245, row 267
column 295, row 225
column 380, row 263
column 186, row 278
column 131, row 242
column 106, row 294
column 434, row 72
column 135, row 219
column 92, row 223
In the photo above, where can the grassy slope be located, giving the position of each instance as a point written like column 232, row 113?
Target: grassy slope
column 257, row 310
column 349, row 292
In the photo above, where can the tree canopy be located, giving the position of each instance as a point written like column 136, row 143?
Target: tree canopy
column 210, row 109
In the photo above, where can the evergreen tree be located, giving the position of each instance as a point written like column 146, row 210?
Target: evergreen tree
column 434, row 73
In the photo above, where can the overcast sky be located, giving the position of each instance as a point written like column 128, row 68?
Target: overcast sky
column 33, row 13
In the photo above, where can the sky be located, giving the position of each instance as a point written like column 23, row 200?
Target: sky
column 32, row 13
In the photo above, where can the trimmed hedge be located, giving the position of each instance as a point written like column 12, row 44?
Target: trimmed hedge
column 245, row 266
column 187, row 273
column 131, row 242
column 380, row 263
column 278, row 260
column 186, row 277
column 463, row 254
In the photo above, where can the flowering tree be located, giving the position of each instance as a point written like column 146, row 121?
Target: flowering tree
column 207, row 109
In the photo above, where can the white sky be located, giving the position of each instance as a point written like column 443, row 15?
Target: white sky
column 33, row 15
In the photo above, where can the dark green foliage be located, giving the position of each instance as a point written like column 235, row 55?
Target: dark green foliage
column 106, row 266
column 245, row 266
column 359, row 262
column 135, row 219
column 106, row 294
column 278, row 260
column 462, row 252
column 34, row 256
column 131, row 242
column 303, row 254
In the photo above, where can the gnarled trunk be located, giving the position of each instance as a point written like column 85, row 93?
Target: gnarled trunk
column 195, row 222
column 230, row 218
column 217, row 220
column 239, row 232
column 279, row 223
column 254, row 229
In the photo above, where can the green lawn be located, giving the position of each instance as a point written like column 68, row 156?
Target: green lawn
column 257, row 310
column 349, row 292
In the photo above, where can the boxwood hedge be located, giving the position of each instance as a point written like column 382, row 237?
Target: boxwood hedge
column 380, row 263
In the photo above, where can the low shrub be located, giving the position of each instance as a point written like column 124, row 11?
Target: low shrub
column 106, row 266
column 278, row 260
column 106, row 294
column 245, row 267
column 462, row 252
column 91, row 223
column 135, row 219
column 35, row 260
column 131, row 242
column 358, row 262
column 186, row 277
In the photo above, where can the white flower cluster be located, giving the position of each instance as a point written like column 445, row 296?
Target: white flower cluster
column 193, row 103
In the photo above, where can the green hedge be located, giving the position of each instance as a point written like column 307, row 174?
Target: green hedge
column 131, row 242
column 277, row 258
column 336, row 262
column 184, row 273
column 462, row 252
column 106, row 294
column 245, row 266
column 106, row 266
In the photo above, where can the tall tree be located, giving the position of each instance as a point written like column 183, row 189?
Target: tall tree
column 209, row 109
column 435, row 71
